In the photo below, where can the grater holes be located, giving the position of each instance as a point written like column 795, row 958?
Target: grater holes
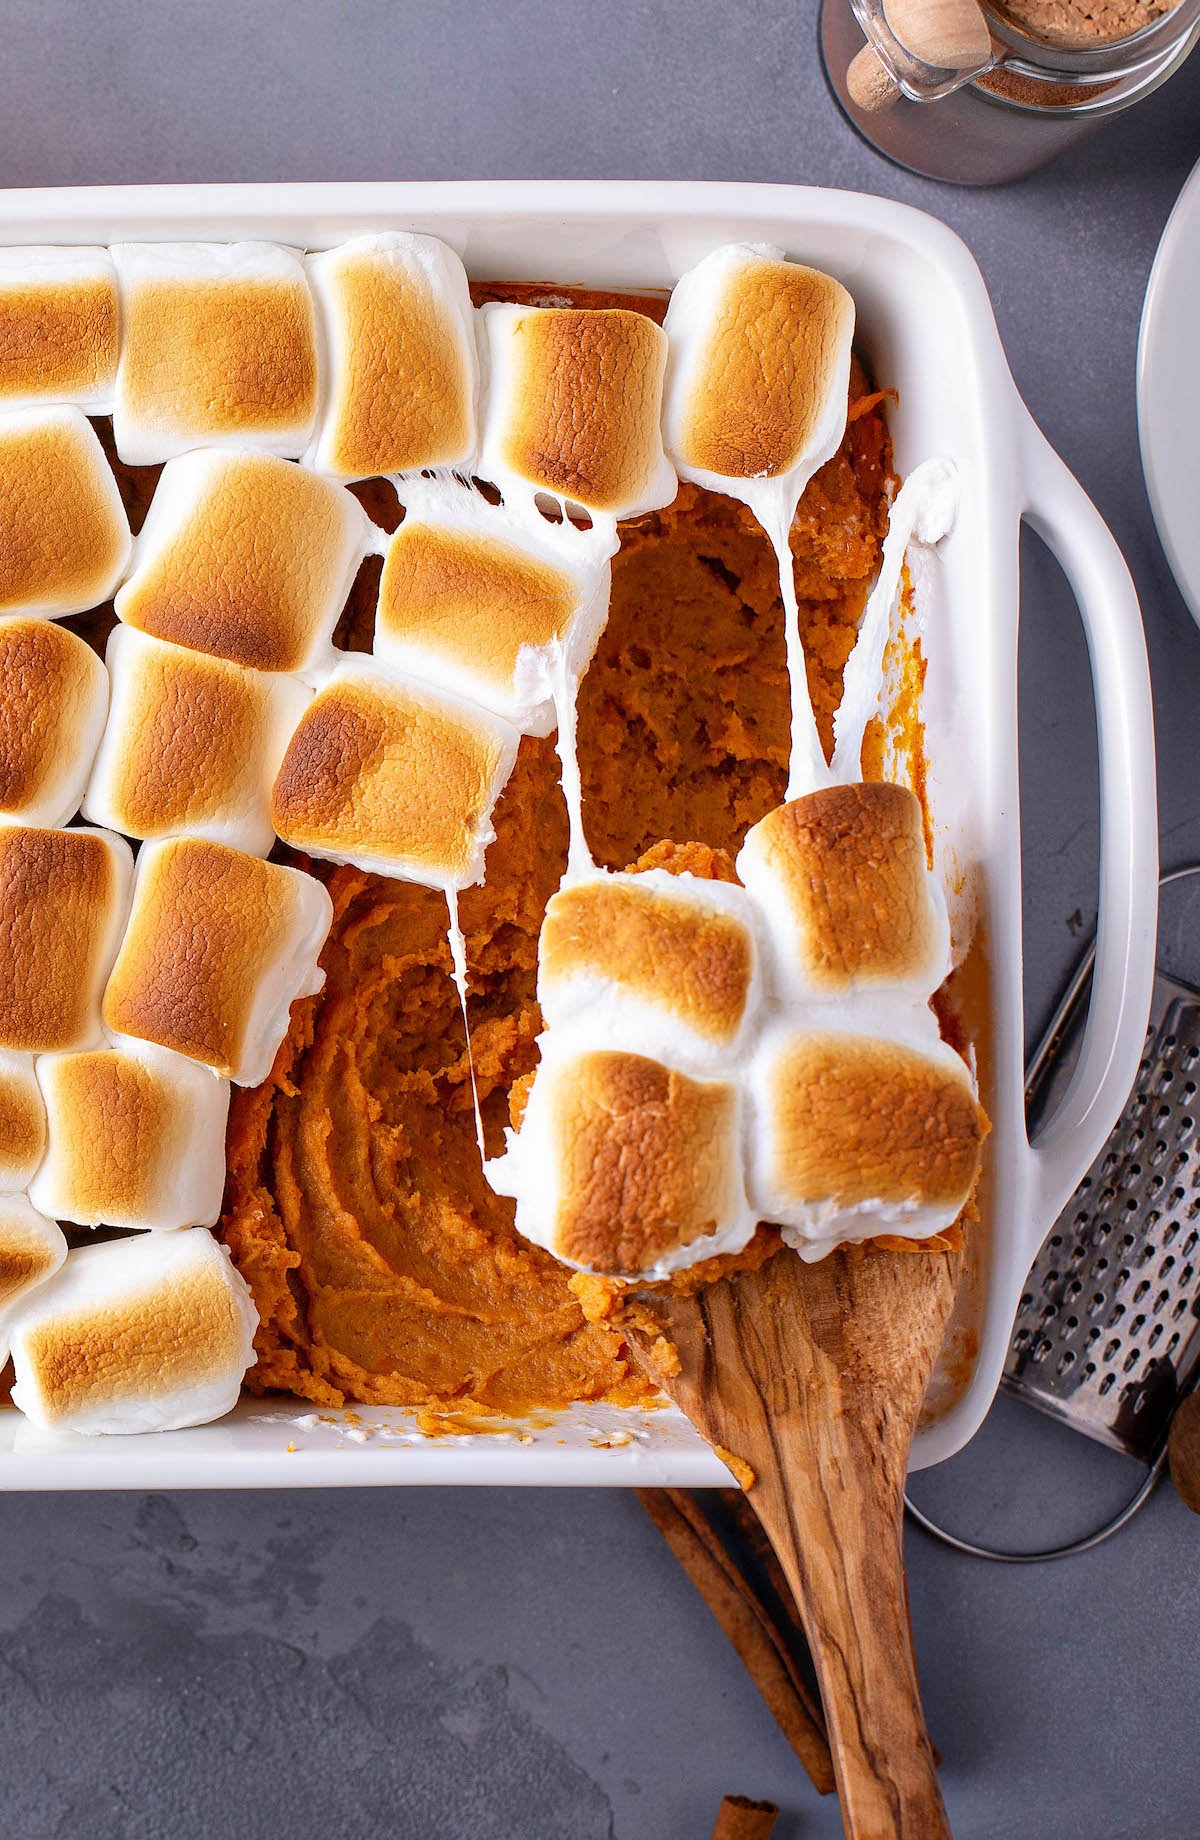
column 1106, row 1385
column 1131, row 1360
column 1155, row 1336
column 1066, row 1361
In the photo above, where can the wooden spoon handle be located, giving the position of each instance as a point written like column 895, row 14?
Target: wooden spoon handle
column 837, row 1531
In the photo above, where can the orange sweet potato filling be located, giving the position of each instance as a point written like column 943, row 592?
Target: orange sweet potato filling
column 383, row 1267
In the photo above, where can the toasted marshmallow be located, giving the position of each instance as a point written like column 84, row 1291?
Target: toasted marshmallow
column 853, row 1136
column 192, row 745
column 64, row 896
column 22, row 1125
column 136, row 1139
column 393, row 777
column 218, row 947
column 147, row 1334
column 759, row 373
column 245, row 557
column 841, row 878
column 624, row 1165
column 53, row 700
column 66, row 536
column 670, row 962
column 58, row 327
column 31, row 1250
column 574, row 407
column 218, row 343
column 400, row 368
column 487, row 605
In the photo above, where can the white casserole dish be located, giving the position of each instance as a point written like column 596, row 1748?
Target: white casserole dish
column 926, row 327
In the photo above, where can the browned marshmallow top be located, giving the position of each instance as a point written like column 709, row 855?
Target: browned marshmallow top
column 208, row 922
column 850, row 863
column 643, row 1151
column 30, row 1250
column 858, row 1120
column 197, row 742
column 63, row 536
column 405, row 399
column 249, row 574
column 218, row 356
column 58, row 893
column 22, row 1128
column 669, row 953
column 58, row 339
column 47, row 688
column 586, row 392
column 376, row 770
column 115, row 1119
column 470, row 598
column 762, row 376
column 155, row 1341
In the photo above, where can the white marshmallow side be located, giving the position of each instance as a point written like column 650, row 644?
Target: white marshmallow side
column 182, row 1174
column 529, row 1171
column 924, row 511
column 526, row 698
column 292, row 974
column 431, row 264
column 816, row 1228
column 240, row 817
column 168, row 1321
column 607, row 1012
column 144, row 440
column 51, row 267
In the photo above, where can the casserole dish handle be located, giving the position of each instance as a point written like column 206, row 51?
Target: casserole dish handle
column 1061, row 513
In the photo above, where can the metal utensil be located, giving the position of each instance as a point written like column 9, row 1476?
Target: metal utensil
column 1107, row 1333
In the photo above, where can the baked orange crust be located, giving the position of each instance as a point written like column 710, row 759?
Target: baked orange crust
column 383, row 1267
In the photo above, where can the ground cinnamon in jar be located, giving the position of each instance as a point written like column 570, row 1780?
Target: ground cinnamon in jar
column 1079, row 25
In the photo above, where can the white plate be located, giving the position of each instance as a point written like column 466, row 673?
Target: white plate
column 1168, row 391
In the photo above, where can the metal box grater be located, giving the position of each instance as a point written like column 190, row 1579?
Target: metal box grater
column 1107, row 1334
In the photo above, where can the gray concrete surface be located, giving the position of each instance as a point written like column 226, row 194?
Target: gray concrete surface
column 490, row 1666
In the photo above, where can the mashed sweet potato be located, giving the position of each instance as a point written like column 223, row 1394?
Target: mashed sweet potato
column 383, row 1267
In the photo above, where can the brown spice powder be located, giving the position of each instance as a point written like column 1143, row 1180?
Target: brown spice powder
column 1079, row 24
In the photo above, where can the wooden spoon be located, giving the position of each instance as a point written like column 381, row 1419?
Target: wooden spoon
column 949, row 34
column 814, row 1376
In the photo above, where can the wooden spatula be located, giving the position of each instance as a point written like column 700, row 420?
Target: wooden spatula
column 814, row 1376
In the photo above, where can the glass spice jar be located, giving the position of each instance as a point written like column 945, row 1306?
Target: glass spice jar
column 1058, row 70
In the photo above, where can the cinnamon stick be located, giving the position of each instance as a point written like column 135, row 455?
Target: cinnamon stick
column 742, row 1819
column 717, row 1539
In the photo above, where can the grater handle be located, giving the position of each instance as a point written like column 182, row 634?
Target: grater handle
column 1062, row 514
